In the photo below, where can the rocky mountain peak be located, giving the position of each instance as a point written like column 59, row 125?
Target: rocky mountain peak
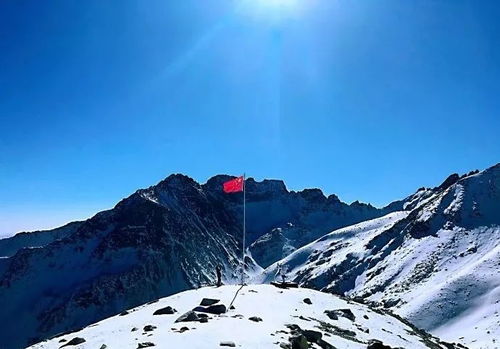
column 333, row 199
column 177, row 181
column 361, row 205
column 313, row 195
column 274, row 186
column 215, row 183
column 451, row 179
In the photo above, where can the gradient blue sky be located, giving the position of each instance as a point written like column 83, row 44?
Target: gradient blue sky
column 365, row 99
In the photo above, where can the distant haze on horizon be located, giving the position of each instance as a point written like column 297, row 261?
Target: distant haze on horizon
column 365, row 100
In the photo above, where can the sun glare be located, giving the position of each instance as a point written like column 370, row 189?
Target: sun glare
column 277, row 4
column 271, row 9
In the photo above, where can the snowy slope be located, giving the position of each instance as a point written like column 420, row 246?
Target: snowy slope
column 437, row 265
column 312, row 264
column 277, row 309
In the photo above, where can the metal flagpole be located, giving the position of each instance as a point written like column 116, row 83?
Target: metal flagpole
column 244, row 230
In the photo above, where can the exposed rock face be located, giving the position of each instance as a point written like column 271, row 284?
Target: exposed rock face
column 158, row 241
column 9, row 246
column 306, row 216
column 452, row 179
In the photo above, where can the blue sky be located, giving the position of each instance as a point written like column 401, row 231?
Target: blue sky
column 365, row 99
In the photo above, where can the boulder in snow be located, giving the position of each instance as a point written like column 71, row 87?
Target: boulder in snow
column 149, row 328
column 208, row 301
column 312, row 336
column 74, row 341
column 212, row 309
column 334, row 314
column 165, row 311
column 376, row 344
column 187, row 317
column 299, row 342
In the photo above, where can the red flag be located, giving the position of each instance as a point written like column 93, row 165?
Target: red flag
column 234, row 185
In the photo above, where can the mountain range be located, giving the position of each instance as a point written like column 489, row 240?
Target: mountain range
column 437, row 263
column 170, row 237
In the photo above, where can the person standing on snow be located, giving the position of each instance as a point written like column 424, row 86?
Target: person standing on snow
column 280, row 273
column 219, row 275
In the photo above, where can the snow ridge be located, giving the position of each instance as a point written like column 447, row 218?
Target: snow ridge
column 263, row 317
column 437, row 265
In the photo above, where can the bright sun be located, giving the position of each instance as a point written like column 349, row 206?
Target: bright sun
column 277, row 3
column 271, row 8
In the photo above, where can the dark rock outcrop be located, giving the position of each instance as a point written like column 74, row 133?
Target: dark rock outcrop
column 208, row 301
column 149, row 328
column 334, row 314
column 299, row 341
column 145, row 345
column 188, row 317
column 452, row 179
column 165, row 311
column 227, row 344
column 376, row 344
column 312, row 336
column 212, row 309
column 74, row 341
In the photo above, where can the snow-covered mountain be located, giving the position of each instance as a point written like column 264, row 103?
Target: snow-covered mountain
column 307, row 216
column 157, row 242
column 261, row 316
column 437, row 264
